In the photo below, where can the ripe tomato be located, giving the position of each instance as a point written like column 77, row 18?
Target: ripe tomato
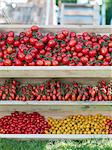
column 33, row 40
column 84, row 60
column 104, row 51
column 47, row 63
column 10, row 40
column 65, row 32
column 60, row 36
column 92, row 53
column 28, row 33
column 39, row 45
column 51, row 43
column 9, row 50
column 85, row 51
column 34, row 28
column 39, row 62
column 18, row 62
column 110, row 44
column 10, row 34
column 21, row 56
column 55, row 63
column 66, row 61
column 72, row 43
column 7, row 62
column 28, row 58
column 16, row 43
column 78, row 48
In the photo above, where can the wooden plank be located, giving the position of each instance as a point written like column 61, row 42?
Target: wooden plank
column 80, row 13
column 78, row 21
column 56, row 103
column 78, row 5
column 58, row 136
column 104, row 29
column 57, row 111
column 55, row 72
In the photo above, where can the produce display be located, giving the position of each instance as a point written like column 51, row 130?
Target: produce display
column 34, row 48
column 34, row 123
column 23, row 123
column 53, row 90
column 79, row 124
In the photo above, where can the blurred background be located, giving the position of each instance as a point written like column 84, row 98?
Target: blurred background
column 56, row 12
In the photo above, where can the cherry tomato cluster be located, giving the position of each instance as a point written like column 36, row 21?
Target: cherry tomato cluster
column 34, row 48
column 23, row 123
column 80, row 124
column 53, row 90
column 34, row 123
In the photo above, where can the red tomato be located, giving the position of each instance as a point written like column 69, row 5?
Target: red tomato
column 7, row 62
column 18, row 62
column 10, row 40
column 65, row 32
column 92, row 53
column 47, row 63
column 104, row 51
column 10, row 34
column 39, row 63
column 55, row 63
column 28, row 58
column 51, row 43
column 34, row 28
column 84, row 60
column 33, row 40
column 21, row 56
column 60, row 36
column 39, row 45
column 65, row 61
column 16, row 43
column 72, row 43
column 85, row 51
column 78, row 48
column 28, row 33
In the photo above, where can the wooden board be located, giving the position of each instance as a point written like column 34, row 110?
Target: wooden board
column 56, row 72
column 80, row 14
column 55, row 103
column 54, row 136
column 104, row 29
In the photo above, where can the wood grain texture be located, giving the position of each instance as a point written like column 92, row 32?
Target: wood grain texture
column 56, row 72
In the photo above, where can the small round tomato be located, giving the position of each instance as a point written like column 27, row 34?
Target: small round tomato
column 44, row 39
column 39, row 62
column 100, row 57
column 16, row 43
column 28, row 58
column 60, row 36
column 10, row 40
column 39, row 45
column 28, row 33
column 1, row 54
column 7, row 62
column 33, row 40
column 72, row 43
column 51, row 43
column 65, row 61
column 10, row 34
column 31, row 63
column 110, row 44
column 47, row 63
column 92, row 53
column 84, row 60
column 18, row 62
column 34, row 28
column 72, row 34
column 9, row 50
column 104, row 51
column 65, row 32
column 55, row 63
column 21, row 56
column 85, row 51
column 78, row 48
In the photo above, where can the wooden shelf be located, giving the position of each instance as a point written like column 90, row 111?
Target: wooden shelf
column 56, row 103
column 55, row 72
column 56, row 136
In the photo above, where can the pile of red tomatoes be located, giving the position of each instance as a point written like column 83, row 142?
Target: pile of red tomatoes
column 34, row 48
